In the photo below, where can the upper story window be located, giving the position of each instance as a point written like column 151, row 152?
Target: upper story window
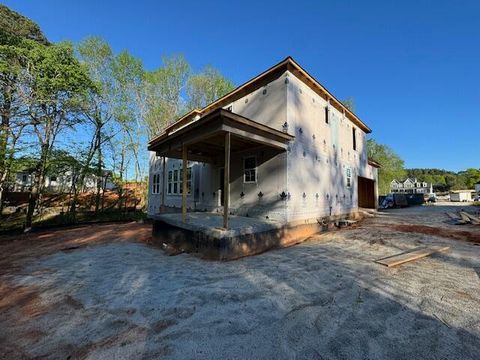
column 250, row 169
column 348, row 173
column 174, row 182
column 156, row 184
column 24, row 178
column 326, row 115
column 354, row 138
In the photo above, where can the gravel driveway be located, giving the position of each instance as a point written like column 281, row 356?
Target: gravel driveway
column 119, row 297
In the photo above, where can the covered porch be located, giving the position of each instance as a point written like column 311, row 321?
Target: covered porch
column 214, row 139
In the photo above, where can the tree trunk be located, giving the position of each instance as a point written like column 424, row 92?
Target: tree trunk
column 4, row 133
column 99, row 174
column 37, row 184
column 122, row 165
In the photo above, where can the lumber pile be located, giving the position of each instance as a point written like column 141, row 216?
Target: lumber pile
column 463, row 218
column 411, row 255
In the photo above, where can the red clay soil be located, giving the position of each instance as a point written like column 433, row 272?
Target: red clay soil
column 15, row 250
column 24, row 302
column 438, row 231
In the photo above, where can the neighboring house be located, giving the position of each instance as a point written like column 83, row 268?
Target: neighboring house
column 410, row 186
column 461, row 195
column 61, row 183
column 477, row 188
column 295, row 153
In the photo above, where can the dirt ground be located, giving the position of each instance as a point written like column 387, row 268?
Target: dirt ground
column 105, row 292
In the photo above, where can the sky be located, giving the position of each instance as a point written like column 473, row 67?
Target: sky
column 412, row 67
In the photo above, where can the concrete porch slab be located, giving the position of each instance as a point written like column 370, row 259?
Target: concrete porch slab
column 210, row 224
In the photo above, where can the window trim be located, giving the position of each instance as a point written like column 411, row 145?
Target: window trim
column 255, row 168
column 171, row 183
column 156, row 184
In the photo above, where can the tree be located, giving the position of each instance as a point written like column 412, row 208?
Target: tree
column 392, row 165
column 206, row 87
column 16, row 34
column 15, row 27
column 54, row 80
column 349, row 103
column 471, row 177
column 97, row 108
column 162, row 102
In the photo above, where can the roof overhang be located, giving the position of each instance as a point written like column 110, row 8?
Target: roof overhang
column 204, row 137
column 376, row 164
column 263, row 79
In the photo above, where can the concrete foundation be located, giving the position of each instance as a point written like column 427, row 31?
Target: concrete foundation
column 202, row 233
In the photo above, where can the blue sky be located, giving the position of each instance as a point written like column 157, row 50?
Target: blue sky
column 413, row 67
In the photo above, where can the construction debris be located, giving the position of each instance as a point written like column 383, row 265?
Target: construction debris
column 463, row 218
column 466, row 216
column 345, row 222
column 410, row 255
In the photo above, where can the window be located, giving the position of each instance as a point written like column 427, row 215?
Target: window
column 53, row 178
column 175, row 181
column 354, row 136
column 156, row 184
column 24, row 178
column 326, row 114
column 250, row 169
column 170, row 178
column 348, row 175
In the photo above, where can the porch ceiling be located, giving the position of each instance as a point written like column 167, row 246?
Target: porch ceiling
column 204, row 138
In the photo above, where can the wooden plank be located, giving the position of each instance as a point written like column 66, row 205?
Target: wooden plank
column 452, row 216
column 473, row 219
column 226, row 179
column 464, row 217
column 184, row 183
column 410, row 255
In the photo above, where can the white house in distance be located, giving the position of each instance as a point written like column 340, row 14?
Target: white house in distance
column 279, row 147
column 410, row 186
column 62, row 183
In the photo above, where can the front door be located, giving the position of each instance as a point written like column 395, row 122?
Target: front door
column 222, row 185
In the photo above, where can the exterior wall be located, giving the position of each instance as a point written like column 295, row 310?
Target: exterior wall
column 319, row 157
column 312, row 172
column 266, row 105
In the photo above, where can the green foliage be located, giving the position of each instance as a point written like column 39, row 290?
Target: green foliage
column 349, row 103
column 392, row 165
column 444, row 180
column 206, row 87
column 15, row 27
column 55, row 73
column 162, row 90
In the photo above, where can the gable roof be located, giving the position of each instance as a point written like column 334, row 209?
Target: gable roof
column 262, row 79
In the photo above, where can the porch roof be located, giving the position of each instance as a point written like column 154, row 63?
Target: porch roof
column 204, row 138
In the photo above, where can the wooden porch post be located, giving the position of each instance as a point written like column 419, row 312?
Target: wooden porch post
column 226, row 184
column 184, row 183
column 164, row 185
